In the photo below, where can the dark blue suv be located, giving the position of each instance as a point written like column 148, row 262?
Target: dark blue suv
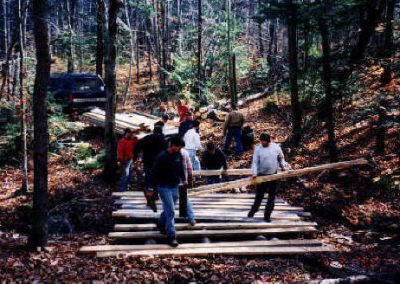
column 78, row 92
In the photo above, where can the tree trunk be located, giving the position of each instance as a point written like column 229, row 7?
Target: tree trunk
column 100, row 11
column 5, row 33
column 260, row 41
column 388, row 43
column 293, row 65
column 70, row 6
column 137, row 12
column 128, row 22
column 110, row 168
column 38, row 236
column 326, row 64
column 199, row 53
column 25, row 185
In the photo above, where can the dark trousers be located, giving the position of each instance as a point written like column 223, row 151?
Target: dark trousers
column 261, row 189
column 234, row 133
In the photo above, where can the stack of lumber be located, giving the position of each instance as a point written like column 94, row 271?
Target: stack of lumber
column 211, row 113
column 139, row 122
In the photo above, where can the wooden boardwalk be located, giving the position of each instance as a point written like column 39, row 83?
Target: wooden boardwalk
column 222, row 221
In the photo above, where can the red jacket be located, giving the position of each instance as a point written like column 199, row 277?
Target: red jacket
column 182, row 109
column 126, row 148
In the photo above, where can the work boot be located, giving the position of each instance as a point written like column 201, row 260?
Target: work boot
column 192, row 223
column 251, row 214
column 153, row 206
column 173, row 242
column 161, row 228
column 267, row 218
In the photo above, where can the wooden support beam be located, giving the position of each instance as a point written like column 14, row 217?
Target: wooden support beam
column 215, row 226
column 213, row 233
column 223, row 207
column 227, row 216
column 227, row 251
column 126, row 248
column 229, row 172
column 283, row 175
column 202, row 202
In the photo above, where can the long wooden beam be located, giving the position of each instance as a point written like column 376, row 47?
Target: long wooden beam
column 228, row 251
column 212, row 233
column 197, row 207
column 126, row 248
column 229, row 172
column 215, row 226
column 217, row 215
column 247, row 202
column 283, row 175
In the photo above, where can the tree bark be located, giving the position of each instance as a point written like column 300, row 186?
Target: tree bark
column 388, row 43
column 110, row 168
column 25, row 185
column 100, row 11
column 199, row 53
column 131, row 54
column 38, row 236
column 326, row 64
column 293, row 65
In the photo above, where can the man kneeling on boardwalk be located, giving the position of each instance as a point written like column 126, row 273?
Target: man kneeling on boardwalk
column 267, row 159
column 168, row 172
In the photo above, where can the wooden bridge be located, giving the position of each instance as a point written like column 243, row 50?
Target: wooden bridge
column 223, row 227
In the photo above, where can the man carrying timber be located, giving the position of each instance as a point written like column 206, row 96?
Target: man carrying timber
column 267, row 159
column 232, row 129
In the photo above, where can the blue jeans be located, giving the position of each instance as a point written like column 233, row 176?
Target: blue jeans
column 234, row 133
column 194, row 159
column 169, row 196
column 213, row 179
column 126, row 175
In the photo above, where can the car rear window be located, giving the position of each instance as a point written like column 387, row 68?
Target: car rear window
column 87, row 84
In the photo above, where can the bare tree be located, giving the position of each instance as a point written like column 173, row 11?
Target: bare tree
column 38, row 236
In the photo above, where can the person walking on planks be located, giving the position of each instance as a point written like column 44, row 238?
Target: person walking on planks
column 125, row 150
column 188, row 168
column 150, row 146
column 232, row 129
column 193, row 144
column 168, row 172
column 267, row 159
column 213, row 159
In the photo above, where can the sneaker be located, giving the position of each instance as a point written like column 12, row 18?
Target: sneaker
column 251, row 214
column 192, row 223
column 173, row 242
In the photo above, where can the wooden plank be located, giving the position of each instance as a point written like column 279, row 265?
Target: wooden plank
column 284, row 175
column 228, row 172
column 121, row 248
column 197, row 207
column 227, row 251
column 201, row 202
column 215, row 226
column 283, row 215
column 212, row 233
column 210, row 195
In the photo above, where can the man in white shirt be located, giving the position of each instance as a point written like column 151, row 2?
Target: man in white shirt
column 267, row 159
column 193, row 144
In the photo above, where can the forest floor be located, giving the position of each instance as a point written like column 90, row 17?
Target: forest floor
column 358, row 212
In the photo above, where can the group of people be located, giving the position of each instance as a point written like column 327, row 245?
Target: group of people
column 170, row 164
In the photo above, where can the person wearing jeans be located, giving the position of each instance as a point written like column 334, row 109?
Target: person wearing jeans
column 193, row 144
column 125, row 150
column 168, row 172
column 267, row 159
column 232, row 129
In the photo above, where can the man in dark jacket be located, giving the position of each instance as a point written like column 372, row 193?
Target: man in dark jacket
column 213, row 159
column 186, row 124
column 150, row 146
column 168, row 172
